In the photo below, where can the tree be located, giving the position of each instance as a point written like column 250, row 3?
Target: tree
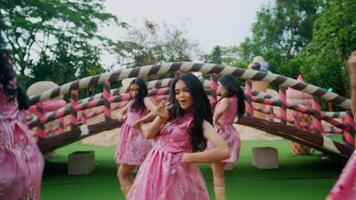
column 333, row 41
column 67, row 65
column 281, row 32
column 155, row 43
column 52, row 29
column 229, row 55
column 216, row 55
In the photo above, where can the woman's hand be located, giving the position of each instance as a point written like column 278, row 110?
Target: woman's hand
column 220, row 150
column 121, row 118
column 137, row 124
column 184, row 160
column 217, row 124
column 162, row 110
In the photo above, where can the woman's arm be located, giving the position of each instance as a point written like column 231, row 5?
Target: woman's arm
column 351, row 68
column 220, row 109
column 147, row 118
column 149, row 105
column 123, row 112
column 162, row 116
column 220, row 151
column 154, row 127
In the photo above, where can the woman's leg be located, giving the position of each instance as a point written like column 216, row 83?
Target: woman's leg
column 125, row 177
column 219, row 180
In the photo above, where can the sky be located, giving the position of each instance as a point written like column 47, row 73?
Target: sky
column 207, row 22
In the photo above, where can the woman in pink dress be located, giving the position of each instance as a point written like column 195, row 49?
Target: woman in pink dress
column 229, row 105
column 180, row 134
column 132, row 147
column 21, row 162
column 345, row 187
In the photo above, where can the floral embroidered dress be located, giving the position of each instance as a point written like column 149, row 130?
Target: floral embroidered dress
column 132, row 147
column 228, row 132
column 21, row 162
column 162, row 176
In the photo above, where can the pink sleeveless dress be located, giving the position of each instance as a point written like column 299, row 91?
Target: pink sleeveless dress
column 132, row 147
column 162, row 176
column 21, row 162
column 345, row 187
column 228, row 132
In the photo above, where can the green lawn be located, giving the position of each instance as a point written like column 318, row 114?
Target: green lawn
column 298, row 177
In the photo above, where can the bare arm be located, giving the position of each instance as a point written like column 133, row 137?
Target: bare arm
column 162, row 116
column 223, row 106
column 152, row 130
column 220, row 151
column 351, row 68
column 147, row 118
column 123, row 112
column 151, row 107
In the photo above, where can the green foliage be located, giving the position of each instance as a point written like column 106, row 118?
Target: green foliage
column 65, row 66
column 54, row 69
column 334, row 38
column 216, row 55
column 309, row 37
column 281, row 32
column 55, row 36
column 154, row 44
column 226, row 56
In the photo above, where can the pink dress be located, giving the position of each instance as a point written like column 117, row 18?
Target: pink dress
column 132, row 147
column 228, row 132
column 21, row 162
column 162, row 176
column 345, row 187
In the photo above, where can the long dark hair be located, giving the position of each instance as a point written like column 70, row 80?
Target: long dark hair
column 234, row 89
column 200, row 108
column 8, row 74
column 138, row 102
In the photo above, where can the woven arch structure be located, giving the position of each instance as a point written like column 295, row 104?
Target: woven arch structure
column 78, row 111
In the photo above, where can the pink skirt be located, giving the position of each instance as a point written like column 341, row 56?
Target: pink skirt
column 232, row 139
column 21, row 162
column 345, row 187
column 162, row 176
column 132, row 147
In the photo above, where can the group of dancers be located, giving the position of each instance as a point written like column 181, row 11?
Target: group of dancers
column 181, row 132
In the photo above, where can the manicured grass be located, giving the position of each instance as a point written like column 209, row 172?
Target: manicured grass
column 298, row 177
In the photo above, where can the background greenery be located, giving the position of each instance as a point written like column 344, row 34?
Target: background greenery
column 60, row 41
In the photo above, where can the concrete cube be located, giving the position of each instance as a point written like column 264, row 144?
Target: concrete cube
column 265, row 157
column 81, row 162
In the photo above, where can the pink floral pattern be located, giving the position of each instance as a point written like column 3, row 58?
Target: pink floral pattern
column 132, row 147
column 162, row 176
column 21, row 163
column 345, row 187
column 228, row 132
